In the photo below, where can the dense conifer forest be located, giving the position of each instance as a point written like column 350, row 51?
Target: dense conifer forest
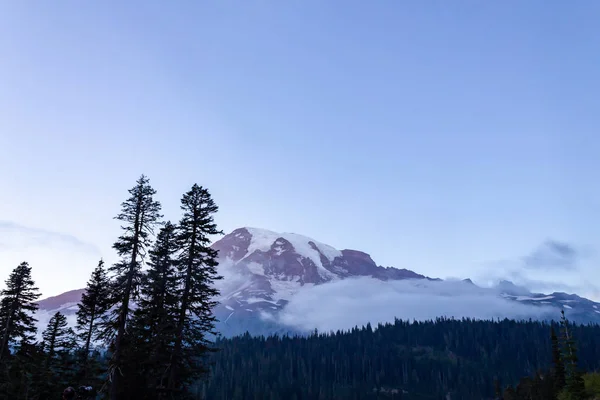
column 445, row 358
column 145, row 327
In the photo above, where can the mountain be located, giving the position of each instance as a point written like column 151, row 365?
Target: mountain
column 264, row 271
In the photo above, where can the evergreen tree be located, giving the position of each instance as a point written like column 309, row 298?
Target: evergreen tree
column 25, row 374
column 574, row 385
column 197, row 270
column 140, row 214
column 155, row 318
column 497, row 389
column 558, row 370
column 16, row 309
column 95, row 303
column 57, row 339
column 57, row 344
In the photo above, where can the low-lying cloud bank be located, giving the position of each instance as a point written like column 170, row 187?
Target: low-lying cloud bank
column 350, row 302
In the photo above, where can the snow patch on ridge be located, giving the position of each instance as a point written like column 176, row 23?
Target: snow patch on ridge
column 256, row 268
column 263, row 240
column 521, row 298
column 252, row 300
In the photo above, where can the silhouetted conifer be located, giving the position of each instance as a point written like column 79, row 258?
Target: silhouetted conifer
column 197, row 272
column 155, row 319
column 17, row 306
column 58, row 346
column 95, row 303
column 574, row 384
column 140, row 213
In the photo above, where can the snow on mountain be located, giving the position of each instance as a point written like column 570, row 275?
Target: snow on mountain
column 264, row 270
column 266, row 275
column 263, row 240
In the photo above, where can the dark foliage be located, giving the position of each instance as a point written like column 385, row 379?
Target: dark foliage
column 420, row 360
column 558, row 370
column 573, row 376
column 17, row 304
column 196, row 264
column 560, row 382
column 94, row 305
column 155, row 319
column 58, row 346
column 140, row 214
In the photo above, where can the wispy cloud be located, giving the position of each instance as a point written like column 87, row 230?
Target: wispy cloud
column 59, row 261
column 350, row 302
column 13, row 235
column 553, row 265
column 553, row 254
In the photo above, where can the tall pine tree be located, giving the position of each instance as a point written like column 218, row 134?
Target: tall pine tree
column 17, row 307
column 57, row 339
column 197, row 270
column 574, row 384
column 140, row 213
column 155, row 318
column 94, row 305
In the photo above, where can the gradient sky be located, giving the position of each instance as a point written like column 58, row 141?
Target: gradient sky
column 451, row 138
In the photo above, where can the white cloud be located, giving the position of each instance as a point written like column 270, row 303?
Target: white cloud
column 350, row 302
column 59, row 262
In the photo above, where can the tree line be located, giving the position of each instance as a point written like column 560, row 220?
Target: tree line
column 153, row 325
column 440, row 359
column 563, row 380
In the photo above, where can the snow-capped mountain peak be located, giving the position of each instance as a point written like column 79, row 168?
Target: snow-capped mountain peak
column 265, row 272
column 290, row 256
column 264, row 240
column 308, row 252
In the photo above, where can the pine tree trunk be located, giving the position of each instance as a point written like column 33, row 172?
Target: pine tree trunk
column 114, row 387
column 88, row 340
column 5, row 337
column 13, row 310
column 179, row 333
column 114, row 392
column 184, row 305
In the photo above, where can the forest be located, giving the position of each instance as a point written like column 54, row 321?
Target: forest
column 146, row 330
column 441, row 359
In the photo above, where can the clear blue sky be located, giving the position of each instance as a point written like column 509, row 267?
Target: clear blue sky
column 451, row 138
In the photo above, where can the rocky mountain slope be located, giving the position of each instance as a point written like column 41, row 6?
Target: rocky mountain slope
column 263, row 271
